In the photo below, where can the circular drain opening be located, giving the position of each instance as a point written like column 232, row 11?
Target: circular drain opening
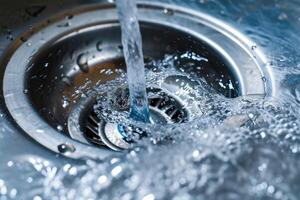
column 85, row 124
column 57, row 61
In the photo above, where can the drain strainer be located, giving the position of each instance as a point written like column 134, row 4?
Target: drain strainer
column 86, row 124
column 54, row 60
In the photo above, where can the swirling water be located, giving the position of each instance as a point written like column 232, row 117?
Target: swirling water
column 244, row 148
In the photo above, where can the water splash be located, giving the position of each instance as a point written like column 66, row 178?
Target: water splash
column 244, row 148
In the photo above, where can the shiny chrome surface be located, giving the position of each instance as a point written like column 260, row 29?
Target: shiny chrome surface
column 230, row 52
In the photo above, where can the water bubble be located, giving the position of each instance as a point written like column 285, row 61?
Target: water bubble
column 168, row 12
column 82, row 62
column 59, row 128
column 262, row 167
column 99, row 46
column 102, row 180
column 10, row 163
column 66, row 102
column 120, row 47
column 271, row 189
column 13, row 193
column 283, row 16
column 29, row 180
column 67, row 80
column 253, row 47
column 64, row 24
column 109, row 72
column 65, row 148
column 69, row 17
column 3, row 190
column 149, row 197
column 73, row 171
column 263, row 135
column 116, row 171
column 37, row 198
column 25, row 91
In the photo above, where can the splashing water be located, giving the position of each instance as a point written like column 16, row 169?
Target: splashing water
column 132, row 44
column 243, row 148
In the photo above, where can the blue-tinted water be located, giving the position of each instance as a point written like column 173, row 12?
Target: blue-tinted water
column 132, row 48
column 207, row 159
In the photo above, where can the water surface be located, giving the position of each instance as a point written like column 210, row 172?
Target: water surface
column 246, row 148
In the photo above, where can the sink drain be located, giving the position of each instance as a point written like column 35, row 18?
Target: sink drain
column 85, row 125
column 55, row 60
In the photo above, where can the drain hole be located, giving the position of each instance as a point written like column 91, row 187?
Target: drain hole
column 91, row 130
column 164, row 109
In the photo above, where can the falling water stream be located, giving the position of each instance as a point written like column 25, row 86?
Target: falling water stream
column 132, row 44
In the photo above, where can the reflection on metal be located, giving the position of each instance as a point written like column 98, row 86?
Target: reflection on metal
column 44, row 69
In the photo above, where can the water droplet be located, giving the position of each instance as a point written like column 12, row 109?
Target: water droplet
column 271, row 189
column 64, row 148
column 69, row 17
column 65, row 24
column 10, row 163
column 82, row 62
column 73, row 171
column 262, row 135
column 168, row 12
column 3, row 190
column 29, row 180
column 116, row 171
column 120, row 47
column 67, row 81
column 13, row 193
column 59, row 128
column 102, row 179
column 37, row 198
column 65, row 102
column 99, row 46
column 283, row 16
column 149, row 197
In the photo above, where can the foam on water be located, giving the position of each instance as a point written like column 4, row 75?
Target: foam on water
column 230, row 148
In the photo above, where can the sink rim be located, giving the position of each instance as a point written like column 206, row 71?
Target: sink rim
column 199, row 23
